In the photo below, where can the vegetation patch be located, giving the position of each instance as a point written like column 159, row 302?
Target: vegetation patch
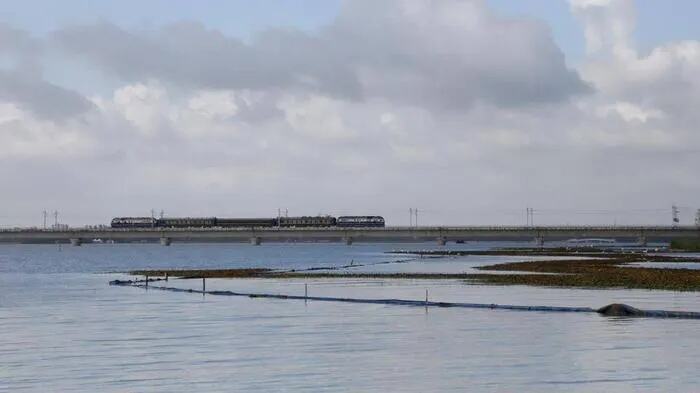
column 204, row 273
column 686, row 245
column 592, row 274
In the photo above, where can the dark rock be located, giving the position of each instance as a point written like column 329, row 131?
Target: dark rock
column 121, row 282
column 620, row 310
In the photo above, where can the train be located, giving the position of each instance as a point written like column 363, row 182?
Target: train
column 280, row 222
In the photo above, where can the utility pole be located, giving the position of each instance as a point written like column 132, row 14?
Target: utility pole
column 416, row 210
column 674, row 215
column 55, row 219
column 45, row 215
column 527, row 217
column 410, row 212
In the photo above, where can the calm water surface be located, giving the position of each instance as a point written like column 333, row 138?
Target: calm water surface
column 62, row 328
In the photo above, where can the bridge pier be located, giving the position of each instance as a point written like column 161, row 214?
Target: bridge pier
column 165, row 241
column 255, row 240
column 642, row 240
column 348, row 240
column 441, row 241
column 539, row 241
column 77, row 242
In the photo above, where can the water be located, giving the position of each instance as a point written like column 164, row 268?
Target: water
column 448, row 265
column 667, row 265
column 62, row 328
column 671, row 265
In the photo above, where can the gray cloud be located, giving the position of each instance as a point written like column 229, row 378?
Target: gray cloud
column 21, row 81
column 17, row 42
column 186, row 53
column 453, row 53
column 44, row 99
column 442, row 55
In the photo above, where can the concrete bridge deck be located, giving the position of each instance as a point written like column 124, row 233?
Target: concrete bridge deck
column 256, row 236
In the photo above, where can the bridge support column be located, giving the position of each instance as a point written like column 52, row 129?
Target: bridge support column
column 642, row 240
column 77, row 242
column 441, row 241
column 539, row 241
column 348, row 240
column 255, row 240
column 165, row 241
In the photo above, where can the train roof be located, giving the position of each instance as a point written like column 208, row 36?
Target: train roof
column 360, row 217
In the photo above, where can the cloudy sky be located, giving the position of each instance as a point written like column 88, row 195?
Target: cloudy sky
column 469, row 110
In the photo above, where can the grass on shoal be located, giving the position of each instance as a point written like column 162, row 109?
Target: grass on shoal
column 686, row 244
column 203, row 273
column 592, row 274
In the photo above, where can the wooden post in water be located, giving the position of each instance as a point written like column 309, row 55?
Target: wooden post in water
column 426, row 301
column 146, row 281
column 306, row 291
column 204, row 285
column 166, row 277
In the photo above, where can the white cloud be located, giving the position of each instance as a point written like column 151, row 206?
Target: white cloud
column 144, row 105
column 317, row 117
column 608, row 25
column 24, row 137
column 630, row 112
column 214, row 104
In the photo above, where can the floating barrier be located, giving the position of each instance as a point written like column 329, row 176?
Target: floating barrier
column 615, row 309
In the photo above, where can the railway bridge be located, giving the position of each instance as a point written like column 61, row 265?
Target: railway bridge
column 439, row 234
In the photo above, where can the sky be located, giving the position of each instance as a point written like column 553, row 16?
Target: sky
column 470, row 111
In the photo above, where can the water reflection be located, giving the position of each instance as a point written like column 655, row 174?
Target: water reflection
column 63, row 329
